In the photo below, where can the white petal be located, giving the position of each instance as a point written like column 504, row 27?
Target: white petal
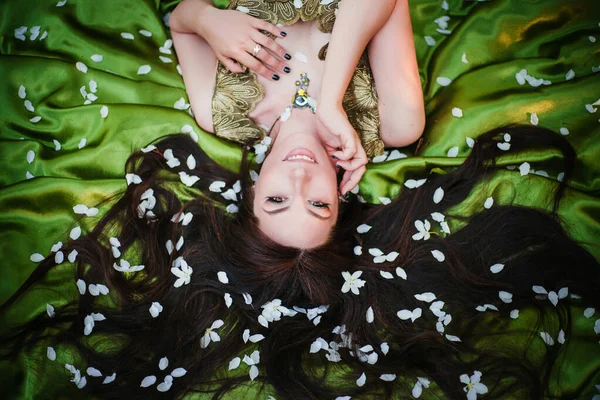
column 247, row 298
column 506, row 297
column 233, row 364
column 357, row 251
column 22, row 92
column 97, row 58
column 144, row 69
column 470, row 142
column 385, row 200
column 148, row 381
column 401, row 273
column 453, row 152
column 429, row 40
column 503, row 146
column 375, row 252
column 81, row 67
column 82, row 382
column 442, row 80
column 163, row 363
column 453, row 338
column 81, row 286
column 438, row 255
column 534, row 119
column 301, row 57
column 363, row 228
column 458, row 113
column 146, row 33
column 524, row 168
column 228, row 300
column 104, row 112
column 547, row 338
column 561, row 337
column 35, row 120
column 404, row 314
column 427, row 297
column 127, row 35
column 391, row 257
column 57, row 145
column 386, row 275
column 438, row 195
column 222, row 275
column 109, row 379
column 489, row 202
column 191, row 162
column 360, row 382
column 51, row 353
column 514, row 314
column 539, row 289
column 589, row 312
column 553, row 297
column 496, row 268
column 387, row 377
column 256, row 338
column 82, row 143
column 36, row 257
column 370, row 315
column 253, row 372
column 91, row 371
column 563, row 292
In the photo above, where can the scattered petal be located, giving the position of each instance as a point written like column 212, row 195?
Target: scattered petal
column 534, row 119
column 524, row 168
column 438, row 255
column 81, row 67
column 97, row 58
column 22, row 92
column 75, row 233
column 144, row 69
column 438, row 195
column 547, row 338
column 222, row 275
column 496, row 268
column 457, row 112
column 363, row 228
column 453, row 152
column 127, row 35
column 489, row 202
column 442, row 80
column 104, row 111
column 51, row 353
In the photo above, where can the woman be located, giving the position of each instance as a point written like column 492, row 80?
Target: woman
column 200, row 299
column 301, row 193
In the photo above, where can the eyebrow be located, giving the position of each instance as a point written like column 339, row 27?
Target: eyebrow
column 285, row 208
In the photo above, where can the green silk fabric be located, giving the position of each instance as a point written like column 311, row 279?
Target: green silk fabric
column 499, row 37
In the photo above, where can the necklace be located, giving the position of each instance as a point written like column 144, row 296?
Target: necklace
column 300, row 99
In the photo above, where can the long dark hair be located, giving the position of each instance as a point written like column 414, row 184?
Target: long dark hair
column 232, row 260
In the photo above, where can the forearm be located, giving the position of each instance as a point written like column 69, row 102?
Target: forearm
column 185, row 17
column 356, row 23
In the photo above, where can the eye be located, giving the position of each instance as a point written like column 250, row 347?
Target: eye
column 318, row 204
column 276, row 199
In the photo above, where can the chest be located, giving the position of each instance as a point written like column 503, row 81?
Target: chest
column 303, row 42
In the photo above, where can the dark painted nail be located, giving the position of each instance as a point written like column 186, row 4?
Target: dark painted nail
column 275, row 77
column 287, row 56
column 337, row 165
column 334, row 157
column 286, row 70
column 283, row 34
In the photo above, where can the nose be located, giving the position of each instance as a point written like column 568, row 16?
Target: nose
column 299, row 176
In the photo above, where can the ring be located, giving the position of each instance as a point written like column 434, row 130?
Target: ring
column 256, row 50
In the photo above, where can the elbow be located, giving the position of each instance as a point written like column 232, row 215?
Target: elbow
column 407, row 129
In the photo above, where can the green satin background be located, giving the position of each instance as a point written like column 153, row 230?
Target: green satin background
column 500, row 37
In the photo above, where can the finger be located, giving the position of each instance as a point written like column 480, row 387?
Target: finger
column 347, row 153
column 268, row 27
column 272, row 45
column 351, row 179
column 256, row 65
column 231, row 65
column 353, row 164
column 271, row 62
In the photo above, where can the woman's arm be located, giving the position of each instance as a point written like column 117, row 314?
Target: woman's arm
column 356, row 23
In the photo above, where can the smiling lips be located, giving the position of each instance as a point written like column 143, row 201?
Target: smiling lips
column 301, row 155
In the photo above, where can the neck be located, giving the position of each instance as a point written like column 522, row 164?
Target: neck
column 301, row 121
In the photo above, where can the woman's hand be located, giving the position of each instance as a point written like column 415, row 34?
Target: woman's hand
column 233, row 36
column 343, row 144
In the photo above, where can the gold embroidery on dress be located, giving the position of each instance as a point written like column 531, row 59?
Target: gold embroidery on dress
column 236, row 95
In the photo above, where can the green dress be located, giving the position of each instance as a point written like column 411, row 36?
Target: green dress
column 75, row 153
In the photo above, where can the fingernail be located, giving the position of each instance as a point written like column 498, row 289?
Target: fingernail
column 334, row 157
column 337, row 165
column 286, row 70
column 283, row 34
column 287, row 56
column 275, row 77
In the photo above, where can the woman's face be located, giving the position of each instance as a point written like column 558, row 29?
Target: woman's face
column 296, row 196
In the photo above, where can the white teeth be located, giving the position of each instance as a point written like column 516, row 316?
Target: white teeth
column 300, row 157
